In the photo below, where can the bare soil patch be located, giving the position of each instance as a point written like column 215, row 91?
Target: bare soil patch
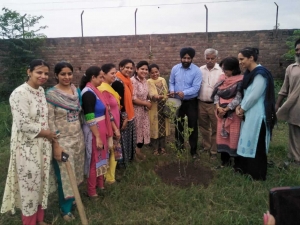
column 196, row 174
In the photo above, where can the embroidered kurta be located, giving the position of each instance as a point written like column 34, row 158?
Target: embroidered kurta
column 71, row 139
column 27, row 184
column 140, row 91
column 159, row 124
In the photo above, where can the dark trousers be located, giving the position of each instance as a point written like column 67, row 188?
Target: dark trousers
column 256, row 167
column 225, row 158
column 188, row 108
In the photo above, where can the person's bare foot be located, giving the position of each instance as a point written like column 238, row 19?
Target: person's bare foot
column 69, row 217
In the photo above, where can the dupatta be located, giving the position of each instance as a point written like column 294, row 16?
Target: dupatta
column 128, row 92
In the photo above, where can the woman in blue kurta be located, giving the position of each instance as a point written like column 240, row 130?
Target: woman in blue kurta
column 258, row 112
column 97, row 128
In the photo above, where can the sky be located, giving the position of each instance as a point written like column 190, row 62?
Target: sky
column 117, row 17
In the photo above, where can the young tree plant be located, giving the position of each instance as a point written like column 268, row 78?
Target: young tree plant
column 182, row 154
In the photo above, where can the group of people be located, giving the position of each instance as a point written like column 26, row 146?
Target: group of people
column 235, row 112
column 103, row 122
column 113, row 113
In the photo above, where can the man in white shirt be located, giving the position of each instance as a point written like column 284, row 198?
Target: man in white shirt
column 206, row 110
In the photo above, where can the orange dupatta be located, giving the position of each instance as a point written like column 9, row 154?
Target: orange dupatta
column 128, row 92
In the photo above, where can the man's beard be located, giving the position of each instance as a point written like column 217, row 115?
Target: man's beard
column 297, row 58
column 186, row 64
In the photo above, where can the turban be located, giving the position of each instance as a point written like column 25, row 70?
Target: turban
column 190, row 51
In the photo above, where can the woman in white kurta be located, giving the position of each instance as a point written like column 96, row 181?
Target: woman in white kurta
column 27, row 184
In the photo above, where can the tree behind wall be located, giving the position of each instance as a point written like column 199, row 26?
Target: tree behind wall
column 19, row 44
column 290, row 55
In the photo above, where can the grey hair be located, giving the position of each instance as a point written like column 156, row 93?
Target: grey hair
column 210, row 51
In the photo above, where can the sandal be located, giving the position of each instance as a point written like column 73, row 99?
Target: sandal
column 156, row 152
column 163, row 151
column 68, row 217
column 94, row 197
column 139, row 154
column 110, row 182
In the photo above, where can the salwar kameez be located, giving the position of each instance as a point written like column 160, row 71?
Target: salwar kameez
column 113, row 100
column 259, row 119
column 96, row 161
column 28, row 180
column 159, row 124
column 142, row 122
column 123, row 86
column 228, row 94
column 64, row 116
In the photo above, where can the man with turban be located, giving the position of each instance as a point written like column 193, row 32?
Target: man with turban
column 184, row 84
column 207, row 118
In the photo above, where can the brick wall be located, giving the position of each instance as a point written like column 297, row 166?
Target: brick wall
column 163, row 49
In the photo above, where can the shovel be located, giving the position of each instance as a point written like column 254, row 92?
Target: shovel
column 73, row 182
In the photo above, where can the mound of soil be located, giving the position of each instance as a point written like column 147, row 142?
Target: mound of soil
column 195, row 174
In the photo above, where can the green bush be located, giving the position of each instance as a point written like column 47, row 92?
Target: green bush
column 290, row 55
column 5, row 120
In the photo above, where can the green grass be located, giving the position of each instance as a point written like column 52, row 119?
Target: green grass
column 142, row 198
